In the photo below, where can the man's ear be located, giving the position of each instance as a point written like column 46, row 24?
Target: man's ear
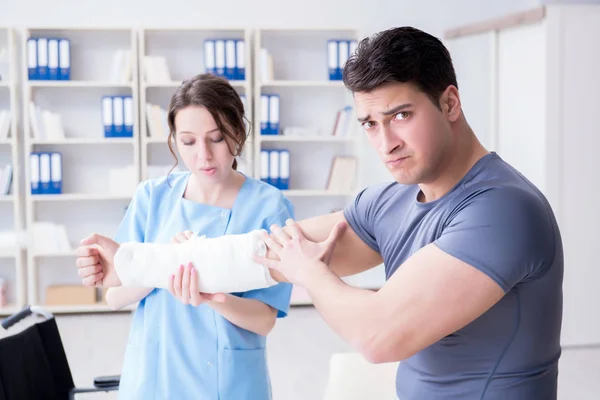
column 450, row 103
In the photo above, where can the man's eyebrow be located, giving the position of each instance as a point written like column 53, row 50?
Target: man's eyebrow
column 388, row 112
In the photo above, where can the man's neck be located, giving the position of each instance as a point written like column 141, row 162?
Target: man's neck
column 467, row 152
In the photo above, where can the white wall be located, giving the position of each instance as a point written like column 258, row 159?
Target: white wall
column 434, row 16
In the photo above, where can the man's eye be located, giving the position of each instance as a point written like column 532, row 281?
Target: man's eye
column 402, row 115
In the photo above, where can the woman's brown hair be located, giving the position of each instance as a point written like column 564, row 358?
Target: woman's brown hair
column 222, row 102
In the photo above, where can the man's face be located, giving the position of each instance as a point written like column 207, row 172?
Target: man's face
column 410, row 134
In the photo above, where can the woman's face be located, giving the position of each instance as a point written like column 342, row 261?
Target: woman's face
column 203, row 148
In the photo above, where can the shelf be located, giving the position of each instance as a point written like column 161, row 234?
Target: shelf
column 126, row 140
column 176, row 84
column 78, row 84
column 155, row 140
column 84, row 308
column 77, row 197
column 6, row 199
column 8, row 142
column 313, row 193
column 339, row 84
column 280, row 138
column 6, row 84
column 7, row 254
column 69, row 253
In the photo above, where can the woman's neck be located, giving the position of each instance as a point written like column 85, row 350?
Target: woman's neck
column 222, row 194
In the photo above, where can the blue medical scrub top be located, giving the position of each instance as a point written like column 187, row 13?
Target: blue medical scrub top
column 178, row 351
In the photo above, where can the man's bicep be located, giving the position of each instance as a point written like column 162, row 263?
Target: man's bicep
column 430, row 296
column 351, row 255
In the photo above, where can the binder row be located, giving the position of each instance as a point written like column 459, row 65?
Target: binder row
column 117, row 116
column 48, row 59
column 226, row 58
column 338, row 52
column 46, row 172
column 269, row 114
column 275, row 168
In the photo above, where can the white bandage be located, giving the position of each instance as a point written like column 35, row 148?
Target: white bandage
column 224, row 264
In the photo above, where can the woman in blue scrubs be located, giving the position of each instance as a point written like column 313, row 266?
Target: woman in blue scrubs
column 215, row 350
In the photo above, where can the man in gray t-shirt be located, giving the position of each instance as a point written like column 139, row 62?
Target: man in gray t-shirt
column 497, row 222
column 472, row 304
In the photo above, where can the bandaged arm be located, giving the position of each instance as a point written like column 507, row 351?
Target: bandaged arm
column 224, row 264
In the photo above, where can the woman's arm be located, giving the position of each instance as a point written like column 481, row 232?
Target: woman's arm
column 252, row 315
column 120, row 297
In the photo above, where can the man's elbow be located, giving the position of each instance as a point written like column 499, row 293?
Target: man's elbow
column 386, row 348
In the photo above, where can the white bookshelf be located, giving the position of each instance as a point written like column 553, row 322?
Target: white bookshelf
column 11, row 214
column 87, row 202
column 308, row 100
column 183, row 50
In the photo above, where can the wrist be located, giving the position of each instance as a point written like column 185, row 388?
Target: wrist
column 314, row 274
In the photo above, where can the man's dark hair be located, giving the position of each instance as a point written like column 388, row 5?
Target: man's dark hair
column 403, row 54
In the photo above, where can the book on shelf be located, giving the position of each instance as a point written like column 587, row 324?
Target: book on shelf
column 121, row 67
column 342, row 126
column 157, row 121
column 342, row 174
column 45, row 125
column 6, row 179
column 5, row 119
column 156, row 70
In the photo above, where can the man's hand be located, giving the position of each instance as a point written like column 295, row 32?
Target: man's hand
column 297, row 256
column 95, row 261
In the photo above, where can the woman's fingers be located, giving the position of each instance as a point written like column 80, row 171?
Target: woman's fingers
column 177, row 281
column 185, row 284
column 195, row 297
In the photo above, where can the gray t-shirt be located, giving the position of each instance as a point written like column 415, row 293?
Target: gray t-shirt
column 497, row 221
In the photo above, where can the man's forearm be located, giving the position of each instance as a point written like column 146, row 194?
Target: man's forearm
column 351, row 312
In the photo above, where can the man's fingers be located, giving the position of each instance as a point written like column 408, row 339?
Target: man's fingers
column 177, row 281
column 272, row 244
column 294, row 229
column 279, row 234
column 335, row 233
column 267, row 262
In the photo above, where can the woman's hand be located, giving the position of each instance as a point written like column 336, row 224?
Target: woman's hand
column 184, row 286
column 182, row 237
column 299, row 258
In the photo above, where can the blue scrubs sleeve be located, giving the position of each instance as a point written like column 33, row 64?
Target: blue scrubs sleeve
column 277, row 296
column 133, row 225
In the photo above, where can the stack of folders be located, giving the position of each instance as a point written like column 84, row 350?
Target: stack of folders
column 6, row 179
column 4, row 124
column 338, row 52
column 275, row 168
column 49, row 59
column 45, row 125
column 269, row 114
column 46, row 172
column 226, row 58
column 117, row 116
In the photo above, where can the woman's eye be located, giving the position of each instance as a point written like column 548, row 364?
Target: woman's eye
column 220, row 139
column 188, row 143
